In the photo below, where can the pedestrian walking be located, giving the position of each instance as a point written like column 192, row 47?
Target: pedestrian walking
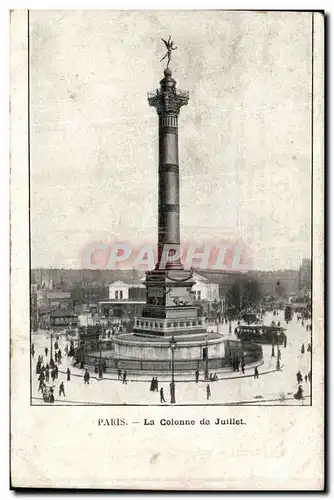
column 56, row 371
column 47, row 375
column 104, row 366
column 309, row 348
column 66, row 350
column 256, row 372
column 124, row 377
column 305, row 378
column 62, row 389
column 68, row 373
column 38, row 367
column 56, row 346
column 156, row 384
column 208, row 392
column 100, row 371
column 119, row 373
column 59, row 356
column 299, row 393
column 56, row 357
column 302, row 350
column 162, row 397
column 196, row 375
column 95, row 367
column 46, row 350
column 299, row 377
column 82, row 364
column 86, row 377
column 51, row 396
column 152, row 386
column 41, row 379
column 53, row 374
column 243, row 367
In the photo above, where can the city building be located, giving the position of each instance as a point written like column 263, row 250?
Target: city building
column 126, row 300
column 305, row 277
column 205, row 289
column 60, row 319
column 47, row 298
column 127, row 289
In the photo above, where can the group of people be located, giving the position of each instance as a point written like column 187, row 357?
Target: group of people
column 100, row 367
column 302, row 349
column 238, row 363
column 154, row 387
column 44, row 372
column 307, row 377
column 51, row 370
column 122, row 376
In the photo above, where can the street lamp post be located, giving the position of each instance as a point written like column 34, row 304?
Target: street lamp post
column 87, row 311
column 278, row 364
column 172, row 345
column 51, row 346
column 206, row 373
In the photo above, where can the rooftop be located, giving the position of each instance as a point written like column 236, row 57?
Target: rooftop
column 129, row 281
column 58, row 295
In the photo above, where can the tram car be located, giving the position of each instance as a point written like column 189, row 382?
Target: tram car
column 261, row 334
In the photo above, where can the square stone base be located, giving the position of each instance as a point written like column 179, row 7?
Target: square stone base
column 168, row 327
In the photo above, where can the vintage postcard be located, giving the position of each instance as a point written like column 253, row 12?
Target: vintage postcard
column 167, row 249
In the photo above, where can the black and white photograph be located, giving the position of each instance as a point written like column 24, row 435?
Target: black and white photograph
column 171, row 253
column 175, row 171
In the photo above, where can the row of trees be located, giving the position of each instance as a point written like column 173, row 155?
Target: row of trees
column 242, row 297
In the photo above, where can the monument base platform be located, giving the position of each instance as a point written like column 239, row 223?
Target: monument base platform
column 192, row 346
column 152, row 355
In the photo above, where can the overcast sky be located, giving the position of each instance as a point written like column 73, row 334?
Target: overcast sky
column 245, row 136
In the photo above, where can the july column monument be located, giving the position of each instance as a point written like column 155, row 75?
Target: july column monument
column 169, row 309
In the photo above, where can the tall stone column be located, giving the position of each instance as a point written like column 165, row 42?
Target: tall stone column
column 168, row 101
column 169, row 309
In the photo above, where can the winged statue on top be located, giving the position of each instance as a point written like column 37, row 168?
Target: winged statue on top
column 170, row 47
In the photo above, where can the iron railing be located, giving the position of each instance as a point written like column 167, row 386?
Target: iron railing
column 246, row 351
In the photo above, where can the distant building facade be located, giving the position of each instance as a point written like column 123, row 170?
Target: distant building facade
column 305, row 277
column 126, row 300
column 127, row 289
column 60, row 319
column 204, row 289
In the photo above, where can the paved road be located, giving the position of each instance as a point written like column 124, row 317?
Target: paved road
column 275, row 387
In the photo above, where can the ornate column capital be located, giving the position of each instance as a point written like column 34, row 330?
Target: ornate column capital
column 169, row 99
